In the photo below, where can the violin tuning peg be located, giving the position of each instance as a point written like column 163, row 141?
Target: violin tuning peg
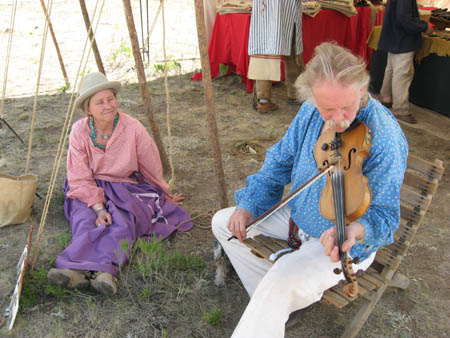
column 337, row 271
column 355, row 260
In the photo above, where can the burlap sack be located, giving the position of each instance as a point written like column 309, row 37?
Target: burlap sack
column 16, row 198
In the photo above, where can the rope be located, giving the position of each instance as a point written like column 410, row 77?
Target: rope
column 41, row 62
column 64, row 135
column 250, row 148
column 8, row 53
column 172, row 181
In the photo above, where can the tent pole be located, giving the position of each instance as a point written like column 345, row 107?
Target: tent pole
column 58, row 52
column 209, row 98
column 87, row 23
column 143, row 82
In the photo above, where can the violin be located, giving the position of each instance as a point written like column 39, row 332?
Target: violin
column 346, row 195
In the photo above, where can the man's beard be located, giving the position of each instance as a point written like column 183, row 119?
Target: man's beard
column 330, row 124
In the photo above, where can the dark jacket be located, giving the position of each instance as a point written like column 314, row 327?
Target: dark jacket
column 402, row 27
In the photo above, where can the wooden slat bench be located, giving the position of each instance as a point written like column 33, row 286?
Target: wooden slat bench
column 419, row 185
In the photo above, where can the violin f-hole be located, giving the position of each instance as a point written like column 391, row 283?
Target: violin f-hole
column 353, row 150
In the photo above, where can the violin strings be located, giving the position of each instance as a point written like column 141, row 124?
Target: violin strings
column 339, row 204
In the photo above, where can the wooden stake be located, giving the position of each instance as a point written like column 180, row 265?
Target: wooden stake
column 209, row 98
column 143, row 82
column 58, row 52
column 87, row 23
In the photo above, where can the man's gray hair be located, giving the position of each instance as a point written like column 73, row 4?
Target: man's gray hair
column 331, row 63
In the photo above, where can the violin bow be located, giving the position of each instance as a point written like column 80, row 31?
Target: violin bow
column 284, row 201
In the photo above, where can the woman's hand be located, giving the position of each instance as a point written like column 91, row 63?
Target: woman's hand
column 238, row 222
column 355, row 231
column 103, row 218
column 176, row 198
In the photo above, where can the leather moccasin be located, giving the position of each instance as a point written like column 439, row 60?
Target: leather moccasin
column 104, row 283
column 266, row 107
column 68, row 278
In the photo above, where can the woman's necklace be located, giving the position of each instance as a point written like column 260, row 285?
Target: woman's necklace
column 93, row 130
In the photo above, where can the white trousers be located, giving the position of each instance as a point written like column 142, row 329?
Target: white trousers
column 398, row 76
column 294, row 282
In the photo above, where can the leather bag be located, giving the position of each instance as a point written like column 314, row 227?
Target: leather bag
column 16, row 198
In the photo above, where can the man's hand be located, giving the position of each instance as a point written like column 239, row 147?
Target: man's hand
column 238, row 222
column 355, row 231
column 429, row 29
column 103, row 217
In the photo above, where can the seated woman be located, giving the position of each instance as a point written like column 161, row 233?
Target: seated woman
column 114, row 191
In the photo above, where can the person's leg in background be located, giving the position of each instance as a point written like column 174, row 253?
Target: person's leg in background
column 209, row 9
column 403, row 73
column 386, row 88
column 261, row 101
column 293, row 65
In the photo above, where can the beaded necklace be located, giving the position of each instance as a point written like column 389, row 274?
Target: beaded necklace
column 93, row 134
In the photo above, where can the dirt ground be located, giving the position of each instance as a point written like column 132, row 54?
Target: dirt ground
column 181, row 305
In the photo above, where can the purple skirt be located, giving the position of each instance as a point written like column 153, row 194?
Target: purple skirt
column 137, row 210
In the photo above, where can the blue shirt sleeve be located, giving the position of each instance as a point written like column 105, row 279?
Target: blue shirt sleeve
column 265, row 188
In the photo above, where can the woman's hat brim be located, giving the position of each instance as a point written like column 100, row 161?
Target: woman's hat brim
column 115, row 85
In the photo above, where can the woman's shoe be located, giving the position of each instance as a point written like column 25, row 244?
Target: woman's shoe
column 68, row 278
column 104, row 283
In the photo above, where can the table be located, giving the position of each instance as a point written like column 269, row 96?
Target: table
column 229, row 39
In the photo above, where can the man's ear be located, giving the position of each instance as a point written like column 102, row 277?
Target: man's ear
column 363, row 90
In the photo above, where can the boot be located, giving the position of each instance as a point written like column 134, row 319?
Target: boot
column 409, row 118
column 266, row 107
column 68, row 278
column 104, row 283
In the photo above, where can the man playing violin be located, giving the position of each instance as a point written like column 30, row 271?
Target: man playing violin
column 334, row 85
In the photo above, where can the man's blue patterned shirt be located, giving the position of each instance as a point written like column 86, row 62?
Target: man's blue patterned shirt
column 292, row 161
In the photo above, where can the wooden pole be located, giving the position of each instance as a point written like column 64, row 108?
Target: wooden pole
column 58, row 52
column 87, row 23
column 143, row 82
column 209, row 98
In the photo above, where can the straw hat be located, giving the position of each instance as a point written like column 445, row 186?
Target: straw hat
column 93, row 83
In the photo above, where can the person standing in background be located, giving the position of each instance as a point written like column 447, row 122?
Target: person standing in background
column 275, row 30
column 400, row 37
column 209, row 9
